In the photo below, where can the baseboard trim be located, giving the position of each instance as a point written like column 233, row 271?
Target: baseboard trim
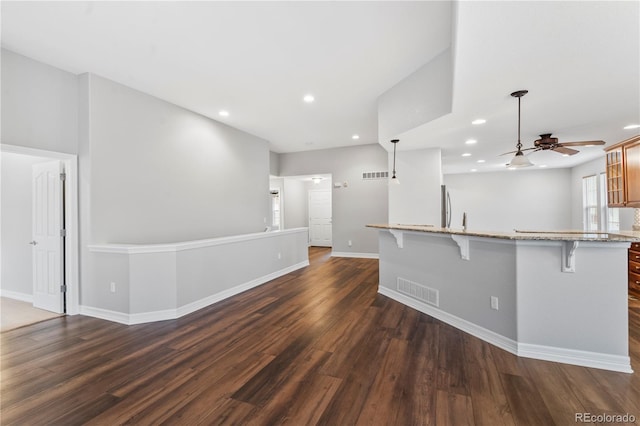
column 16, row 295
column 105, row 314
column 357, row 255
column 602, row 361
column 488, row 336
column 169, row 314
column 546, row 353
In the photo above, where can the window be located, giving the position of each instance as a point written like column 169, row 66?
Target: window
column 596, row 215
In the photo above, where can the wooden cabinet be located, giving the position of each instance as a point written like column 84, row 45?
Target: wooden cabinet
column 634, row 268
column 623, row 173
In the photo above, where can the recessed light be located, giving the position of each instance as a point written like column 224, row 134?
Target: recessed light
column 481, row 161
column 223, row 113
column 479, row 121
column 466, row 154
column 355, row 137
column 309, row 98
column 631, row 126
column 474, row 170
column 471, row 141
column 542, row 165
column 565, row 155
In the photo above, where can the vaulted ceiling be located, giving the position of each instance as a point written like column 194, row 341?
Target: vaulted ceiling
column 580, row 62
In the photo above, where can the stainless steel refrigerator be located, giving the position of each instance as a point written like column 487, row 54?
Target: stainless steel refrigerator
column 445, row 207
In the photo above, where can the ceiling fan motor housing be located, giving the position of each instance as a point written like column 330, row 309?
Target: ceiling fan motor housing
column 546, row 140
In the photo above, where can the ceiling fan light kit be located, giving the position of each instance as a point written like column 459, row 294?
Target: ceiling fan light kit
column 519, row 160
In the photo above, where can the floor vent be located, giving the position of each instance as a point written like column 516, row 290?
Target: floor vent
column 418, row 291
column 374, row 175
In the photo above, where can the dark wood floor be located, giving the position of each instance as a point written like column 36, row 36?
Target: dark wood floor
column 318, row 346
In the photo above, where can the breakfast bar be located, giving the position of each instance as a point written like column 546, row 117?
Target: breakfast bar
column 557, row 296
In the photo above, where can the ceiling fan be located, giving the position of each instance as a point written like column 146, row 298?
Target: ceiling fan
column 545, row 143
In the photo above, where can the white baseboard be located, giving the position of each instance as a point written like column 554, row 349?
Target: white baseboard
column 488, row 336
column 358, row 255
column 168, row 314
column 23, row 297
column 576, row 357
column 105, row 314
column 546, row 353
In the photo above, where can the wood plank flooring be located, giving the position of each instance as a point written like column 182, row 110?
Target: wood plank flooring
column 317, row 346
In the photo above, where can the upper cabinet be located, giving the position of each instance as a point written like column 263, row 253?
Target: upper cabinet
column 623, row 173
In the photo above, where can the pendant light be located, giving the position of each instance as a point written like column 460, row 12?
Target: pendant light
column 394, row 179
column 519, row 160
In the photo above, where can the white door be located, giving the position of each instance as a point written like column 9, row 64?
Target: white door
column 47, row 237
column 320, row 217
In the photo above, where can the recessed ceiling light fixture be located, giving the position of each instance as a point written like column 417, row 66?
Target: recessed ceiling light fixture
column 479, row 121
column 309, row 98
column 474, row 170
column 481, row 161
column 223, row 113
column 631, row 126
column 316, row 180
column 466, row 154
column 471, row 141
column 355, row 137
column 542, row 165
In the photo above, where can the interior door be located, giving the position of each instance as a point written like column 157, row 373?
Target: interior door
column 47, row 225
column 320, row 217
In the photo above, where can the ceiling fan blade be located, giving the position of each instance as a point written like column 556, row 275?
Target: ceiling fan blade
column 563, row 150
column 582, row 143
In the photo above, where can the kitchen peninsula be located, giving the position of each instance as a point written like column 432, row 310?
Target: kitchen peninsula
column 557, row 296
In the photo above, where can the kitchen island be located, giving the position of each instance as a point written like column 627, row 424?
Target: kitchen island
column 557, row 296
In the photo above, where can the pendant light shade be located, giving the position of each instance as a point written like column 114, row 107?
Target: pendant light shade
column 394, row 179
column 519, row 160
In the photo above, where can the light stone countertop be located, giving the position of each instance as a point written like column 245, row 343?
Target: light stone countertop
column 565, row 235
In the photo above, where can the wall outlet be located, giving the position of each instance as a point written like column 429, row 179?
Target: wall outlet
column 112, row 287
column 349, row 243
column 494, row 303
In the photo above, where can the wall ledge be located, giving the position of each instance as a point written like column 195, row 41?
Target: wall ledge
column 186, row 245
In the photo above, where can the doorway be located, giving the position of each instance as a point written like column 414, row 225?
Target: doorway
column 299, row 208
column 17, row 226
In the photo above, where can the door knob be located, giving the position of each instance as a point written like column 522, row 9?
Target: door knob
column 33, row 243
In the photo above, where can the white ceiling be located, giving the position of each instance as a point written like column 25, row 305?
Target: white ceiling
column 580, row 62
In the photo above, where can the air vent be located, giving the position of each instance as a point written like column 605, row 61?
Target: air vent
column 374, row 175
column 419, row 291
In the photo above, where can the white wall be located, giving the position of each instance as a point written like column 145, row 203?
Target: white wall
column 17, row 272
column 39, row 105
column 354, row 206
column 416, row 200
column 420, row 98
column 512, row 199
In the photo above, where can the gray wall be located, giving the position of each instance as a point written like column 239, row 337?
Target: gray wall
column 160, row 173
column 359, row 203
column 520, row 199
column 39, row 105
column 149, row 171
column 17, row 272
